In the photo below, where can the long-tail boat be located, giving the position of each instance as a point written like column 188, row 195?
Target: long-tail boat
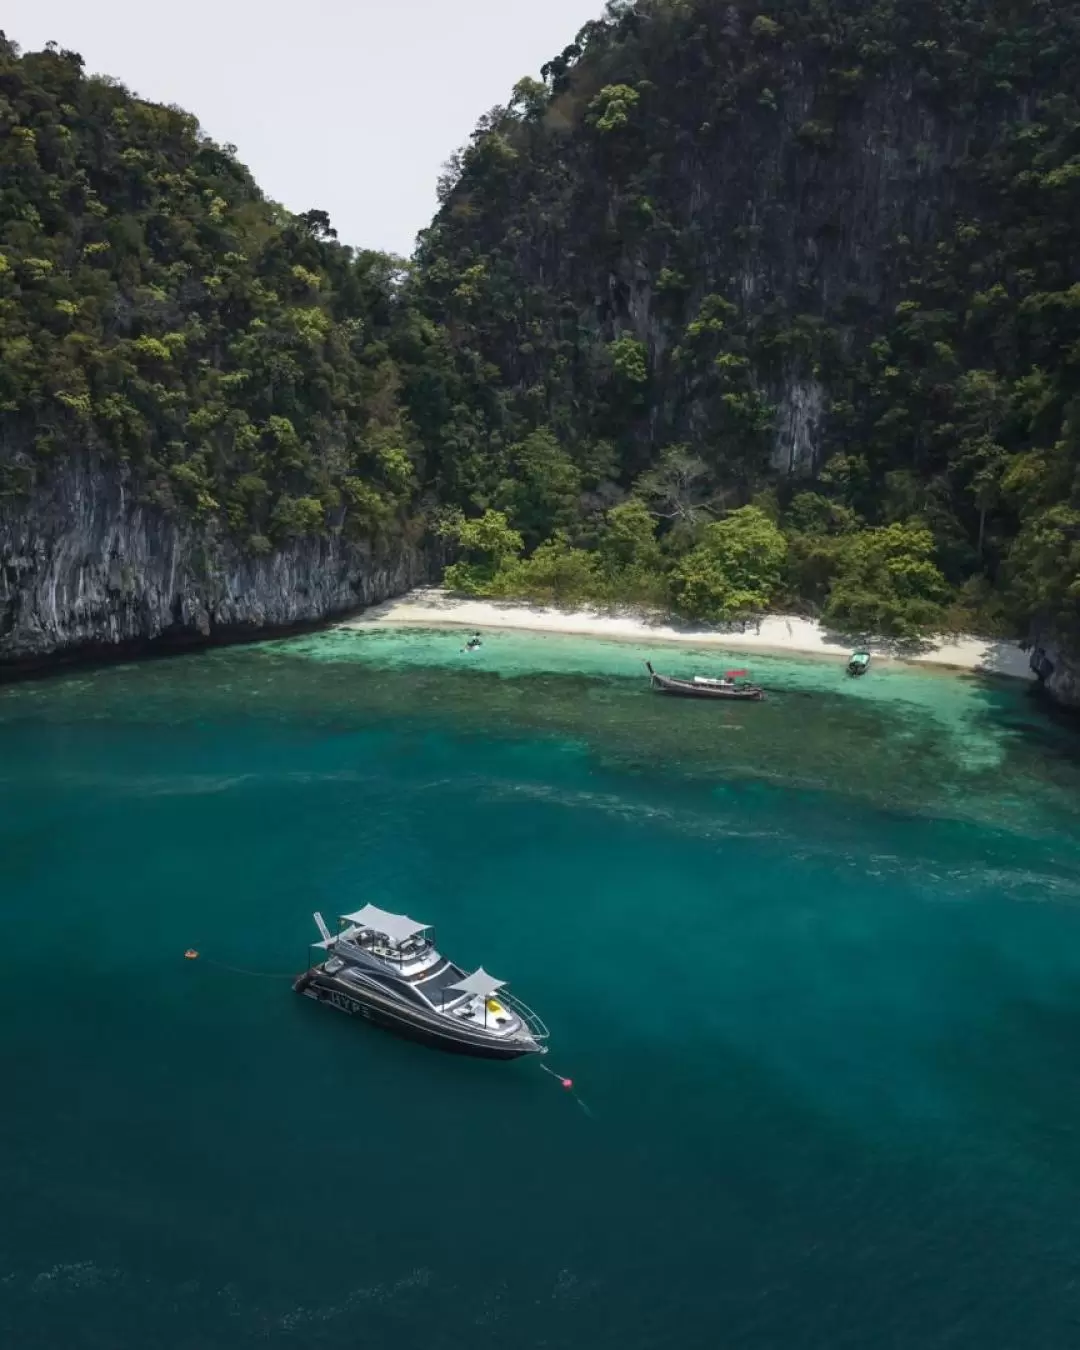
column 703, row 686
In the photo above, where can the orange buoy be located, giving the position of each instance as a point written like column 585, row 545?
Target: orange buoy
column 191, row 954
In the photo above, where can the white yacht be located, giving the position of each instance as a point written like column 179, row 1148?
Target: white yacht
column 385, row 968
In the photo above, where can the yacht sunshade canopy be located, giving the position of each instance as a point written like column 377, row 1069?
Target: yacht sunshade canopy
column 479, row 982
column 397, row 927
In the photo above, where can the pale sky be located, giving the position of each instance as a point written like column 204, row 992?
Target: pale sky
column 348, row 107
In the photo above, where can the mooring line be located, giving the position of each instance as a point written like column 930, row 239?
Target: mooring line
column 192, row 955
column 568, row 1084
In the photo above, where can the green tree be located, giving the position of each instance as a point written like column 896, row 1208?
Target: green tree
column 245, row 369
column 811, row 513
column 815, row 526
column 980, row 460
column 542, row 491
column 611, row 109
column 735, row 570
column 627, row 538
column 531, row 96
column 294, row 516
column 557, row 573
column 1044, row 567
column 488, row 544
column 887, row 582
column 629, row 561
column 629, row 360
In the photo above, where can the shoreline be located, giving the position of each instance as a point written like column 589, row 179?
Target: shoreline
column 775, row 634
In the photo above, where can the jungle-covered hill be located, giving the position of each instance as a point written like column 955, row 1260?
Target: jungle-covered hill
column 736, row 305
column 158, row 311
column 820, row 257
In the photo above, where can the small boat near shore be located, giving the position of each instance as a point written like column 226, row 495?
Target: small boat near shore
column 859, row 663
column 702, row 686
column 385, row 968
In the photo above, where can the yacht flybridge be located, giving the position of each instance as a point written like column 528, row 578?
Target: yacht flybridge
column 385, row 968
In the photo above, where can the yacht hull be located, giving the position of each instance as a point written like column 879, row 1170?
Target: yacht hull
column 411, row 1023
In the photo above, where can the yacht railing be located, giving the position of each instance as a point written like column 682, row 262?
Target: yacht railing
column 533, row 1021
column 530, row 1020
column 375, row 943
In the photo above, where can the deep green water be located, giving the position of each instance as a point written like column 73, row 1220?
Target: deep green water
column 814, row 967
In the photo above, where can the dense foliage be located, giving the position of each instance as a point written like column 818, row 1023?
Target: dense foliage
column 741, row 304
column 821, row 251
column 157, row 310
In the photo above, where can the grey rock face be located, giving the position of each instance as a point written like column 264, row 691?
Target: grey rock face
column 803, row 209
column 1058, row 670
column 84, row 564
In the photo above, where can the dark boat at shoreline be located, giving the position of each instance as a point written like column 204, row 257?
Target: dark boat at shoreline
column 859, row 663
column 384, row 968
column 702, row 686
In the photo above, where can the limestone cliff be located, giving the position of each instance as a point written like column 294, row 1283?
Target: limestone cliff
column 746, row 196
column 85, row 565
column 200, row 393
column 1057, row 666
column 815, row 256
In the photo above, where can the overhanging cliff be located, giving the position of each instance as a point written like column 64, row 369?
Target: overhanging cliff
column 202, row 426
column 817, row 258
column 84, row 566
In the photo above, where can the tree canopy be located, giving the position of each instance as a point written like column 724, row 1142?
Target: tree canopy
column 157, row 311
column 680, row 333
column 682, row 244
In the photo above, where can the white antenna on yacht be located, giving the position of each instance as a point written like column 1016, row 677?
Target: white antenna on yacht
column 321, row 924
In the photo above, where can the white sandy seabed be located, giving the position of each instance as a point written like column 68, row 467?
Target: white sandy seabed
column 433, row 608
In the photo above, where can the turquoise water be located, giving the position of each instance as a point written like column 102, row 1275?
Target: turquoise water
column 813, row 965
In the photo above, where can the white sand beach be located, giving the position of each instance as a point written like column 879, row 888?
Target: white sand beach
column 434, row 608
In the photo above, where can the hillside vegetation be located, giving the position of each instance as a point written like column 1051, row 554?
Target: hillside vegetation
column 158, row 311
column 737, row 305
column 797, row 281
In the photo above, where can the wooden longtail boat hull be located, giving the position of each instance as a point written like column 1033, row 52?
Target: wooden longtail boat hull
column 664, row 684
